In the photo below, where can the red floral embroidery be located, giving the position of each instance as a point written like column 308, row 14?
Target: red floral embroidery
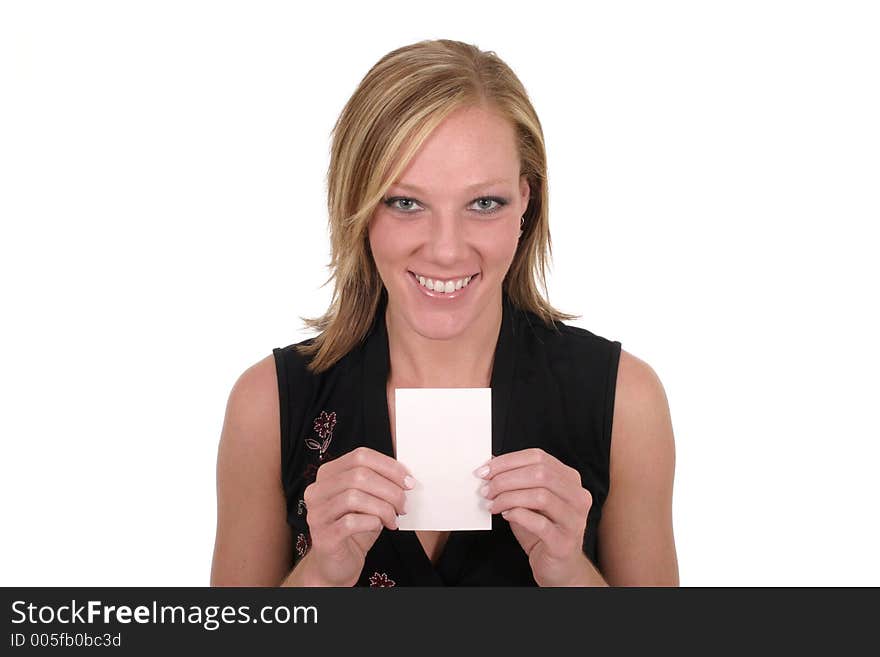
column 381, row 579
column 302, row 544
column 324, row 424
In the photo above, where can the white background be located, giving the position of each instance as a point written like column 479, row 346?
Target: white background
column 714, row 176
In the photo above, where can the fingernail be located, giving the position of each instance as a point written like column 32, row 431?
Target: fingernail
column 409, row 482
column 483, row 471
column 484, row 490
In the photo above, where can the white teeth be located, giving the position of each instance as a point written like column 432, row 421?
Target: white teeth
column 443, row 286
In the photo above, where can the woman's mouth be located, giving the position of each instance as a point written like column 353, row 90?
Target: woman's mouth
column 448, row 289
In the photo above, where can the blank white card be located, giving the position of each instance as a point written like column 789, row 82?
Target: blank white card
column 442, row 435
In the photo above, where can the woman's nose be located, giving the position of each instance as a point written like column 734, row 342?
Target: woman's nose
column 447, row 239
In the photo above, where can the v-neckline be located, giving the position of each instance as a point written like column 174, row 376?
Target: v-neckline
column 377, row 424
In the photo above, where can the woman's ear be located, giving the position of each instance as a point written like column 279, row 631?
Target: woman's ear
column 525, row 192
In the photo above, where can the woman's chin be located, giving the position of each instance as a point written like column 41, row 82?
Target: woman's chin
column 438, row 325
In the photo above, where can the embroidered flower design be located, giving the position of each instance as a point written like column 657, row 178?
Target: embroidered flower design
column 300, row 506
column 302, row 544
column 324, row 424
column 381, row 579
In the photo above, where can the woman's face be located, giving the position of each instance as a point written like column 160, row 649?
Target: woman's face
column 454, row 212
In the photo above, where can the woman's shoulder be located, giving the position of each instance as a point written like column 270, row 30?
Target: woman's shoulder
column 567, row 337
column 635, row 379
column 252, row 421
column 292, row 363
column 295, row 351
column 639, row 389
column 253, row 408
column 253, row 405
column 586, row 336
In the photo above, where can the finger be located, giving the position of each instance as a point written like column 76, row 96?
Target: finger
column 353, row 500
column 538, row 475
column 350, row 524
column 517, row 459
column 539, row 525
column 526, row 457
column 366, row 457
column 365, row 479
column 542, row 501
column 389, row 468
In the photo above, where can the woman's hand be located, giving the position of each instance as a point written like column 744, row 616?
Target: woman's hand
column 546, row 506
column 351, row 499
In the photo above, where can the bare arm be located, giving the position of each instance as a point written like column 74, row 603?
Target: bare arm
column 635, row 535
column 253, row 544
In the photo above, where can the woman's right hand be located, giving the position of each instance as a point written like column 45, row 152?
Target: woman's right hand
column 352, row 498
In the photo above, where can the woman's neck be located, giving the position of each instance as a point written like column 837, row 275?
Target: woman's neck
column 462, row 362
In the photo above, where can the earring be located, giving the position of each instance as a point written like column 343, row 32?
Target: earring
column 521, row 221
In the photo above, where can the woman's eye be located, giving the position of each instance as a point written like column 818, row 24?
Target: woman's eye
column 500, row 203
column 407, row 205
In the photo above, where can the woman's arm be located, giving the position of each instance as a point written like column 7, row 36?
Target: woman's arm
column 253, row 544
column 636, row 546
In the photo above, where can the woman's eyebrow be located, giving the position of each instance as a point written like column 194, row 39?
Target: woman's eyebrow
column 419, row 190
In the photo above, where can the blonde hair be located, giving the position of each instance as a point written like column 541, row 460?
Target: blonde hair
column 394, row 109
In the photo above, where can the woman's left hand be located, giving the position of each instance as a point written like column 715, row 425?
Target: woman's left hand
column 546, row 506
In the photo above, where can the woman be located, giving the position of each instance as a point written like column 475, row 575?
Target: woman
column 437, row 194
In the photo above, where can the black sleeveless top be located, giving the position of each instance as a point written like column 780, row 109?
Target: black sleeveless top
column 549, row 390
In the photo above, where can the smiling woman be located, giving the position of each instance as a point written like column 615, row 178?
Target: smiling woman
column 448, row 238
column 437, row 194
